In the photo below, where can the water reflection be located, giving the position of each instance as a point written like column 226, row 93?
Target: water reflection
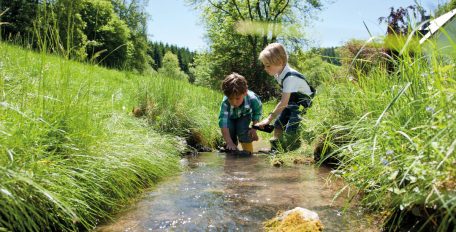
column 226, row 193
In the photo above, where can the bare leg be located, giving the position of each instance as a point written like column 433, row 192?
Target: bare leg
column 277, row 133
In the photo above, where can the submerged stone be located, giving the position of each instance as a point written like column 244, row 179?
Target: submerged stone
column 297, row 219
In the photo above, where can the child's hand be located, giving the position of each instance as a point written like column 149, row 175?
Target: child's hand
column 253, row 134
column 263, row 123
column 231, row 147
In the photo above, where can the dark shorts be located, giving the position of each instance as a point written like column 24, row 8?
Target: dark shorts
column 239, row 129
column 289, row 119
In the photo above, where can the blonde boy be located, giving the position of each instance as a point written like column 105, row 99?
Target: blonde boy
column 239, row 108
column 295, row 91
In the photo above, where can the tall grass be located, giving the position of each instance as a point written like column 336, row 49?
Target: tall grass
column 180, row 108
column 71, row 153
column 394, row 136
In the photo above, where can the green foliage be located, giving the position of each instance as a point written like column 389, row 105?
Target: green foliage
column 202, row 71
column 180, row 108
column 171, row 67
column 133, row 14
column 69, row 26
column 234, row 49
column 136, row 19
column 445, row 7
column 108, row 35
column 393, row 137
column 156, row 50
column 70, row 154
column 330, row 55
column 311, row 64
column 19, row 16
column 138, row 60
column 360, row 57
column 111, row 33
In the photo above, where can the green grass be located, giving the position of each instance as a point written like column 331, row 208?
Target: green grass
column 71, row 153
column 180, row 108
column 394, row 136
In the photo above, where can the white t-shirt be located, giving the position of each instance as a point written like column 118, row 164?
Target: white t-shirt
column 292, row 83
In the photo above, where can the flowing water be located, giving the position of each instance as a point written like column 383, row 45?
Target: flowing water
column 219, row 192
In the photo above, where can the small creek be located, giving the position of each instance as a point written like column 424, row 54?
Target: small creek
column 218, row 192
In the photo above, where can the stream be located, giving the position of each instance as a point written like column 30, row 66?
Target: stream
column 219, row 192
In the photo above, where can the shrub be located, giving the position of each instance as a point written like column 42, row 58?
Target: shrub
column 360, row 57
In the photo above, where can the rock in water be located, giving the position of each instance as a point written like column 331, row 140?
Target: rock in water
column 297, row 219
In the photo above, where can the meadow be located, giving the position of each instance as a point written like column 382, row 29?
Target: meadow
column 72, row 153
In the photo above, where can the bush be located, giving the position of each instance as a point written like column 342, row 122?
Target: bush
column 313, row 67
column 171, row 67
column 360, row 57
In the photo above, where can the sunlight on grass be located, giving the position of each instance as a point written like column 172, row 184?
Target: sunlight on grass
column 69, row 146
column 392, row 135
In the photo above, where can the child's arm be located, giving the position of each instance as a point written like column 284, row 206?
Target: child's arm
column 229, row 142
column 277, row 110
column 223, row 124
column 257, row 111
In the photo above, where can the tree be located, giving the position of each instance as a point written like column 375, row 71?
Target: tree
column 329, row 55
column 18, row 16
column 107, row 34
column 156, row 54
column 156, row 50
column 70, row 27
column 171, row 67
column 314, row 66
column 201, row 71
column 133, row 14
column 399, row 20
column 238, row 30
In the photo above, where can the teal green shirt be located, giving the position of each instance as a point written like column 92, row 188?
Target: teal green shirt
column 251, row 105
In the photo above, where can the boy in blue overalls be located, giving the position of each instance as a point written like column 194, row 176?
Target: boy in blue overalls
column 239, row 108
column 295, row 92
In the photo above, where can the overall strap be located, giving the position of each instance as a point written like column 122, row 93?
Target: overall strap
column 300, row 76
column 248, row 100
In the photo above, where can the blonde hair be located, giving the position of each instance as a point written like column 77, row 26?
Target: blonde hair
column 273, row 54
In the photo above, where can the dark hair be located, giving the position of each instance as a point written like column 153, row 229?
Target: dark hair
column 234, row 85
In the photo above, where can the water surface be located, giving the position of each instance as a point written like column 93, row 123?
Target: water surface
column 218, row 192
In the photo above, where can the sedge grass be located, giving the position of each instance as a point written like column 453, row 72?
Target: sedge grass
column 70, row 152
column 399, row 132
column 180, row 108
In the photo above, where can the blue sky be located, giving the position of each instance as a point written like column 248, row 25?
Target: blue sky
column 175, row 23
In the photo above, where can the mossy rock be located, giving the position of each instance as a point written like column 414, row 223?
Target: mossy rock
column 293, row 222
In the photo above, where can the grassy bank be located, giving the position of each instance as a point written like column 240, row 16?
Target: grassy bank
column 180, row 108
column 71, row 153
column 393, row 135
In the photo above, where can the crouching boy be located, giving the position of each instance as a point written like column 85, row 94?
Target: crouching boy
column 239, row 108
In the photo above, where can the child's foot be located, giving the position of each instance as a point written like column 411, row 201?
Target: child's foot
column 235, row 152
column 267, row 151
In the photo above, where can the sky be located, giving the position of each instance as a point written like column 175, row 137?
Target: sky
column 174, row 22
